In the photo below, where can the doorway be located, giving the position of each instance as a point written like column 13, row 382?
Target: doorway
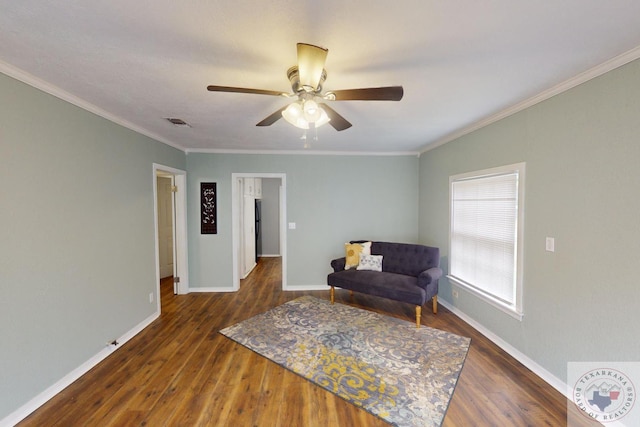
column 241, row 225
column 169, row 190
column 166, row 214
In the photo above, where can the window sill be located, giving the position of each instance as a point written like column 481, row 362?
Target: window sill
column 511, row 311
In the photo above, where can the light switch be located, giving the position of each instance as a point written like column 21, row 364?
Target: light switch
column 550, row 244
column 292, row 226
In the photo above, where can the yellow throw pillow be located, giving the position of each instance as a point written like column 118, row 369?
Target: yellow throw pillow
column 353, row 251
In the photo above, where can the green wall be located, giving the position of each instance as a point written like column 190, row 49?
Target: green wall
column 77, row 254
column 332, row 199
column 581, row 150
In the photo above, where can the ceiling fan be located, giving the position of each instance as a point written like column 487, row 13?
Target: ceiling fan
column 309, row 111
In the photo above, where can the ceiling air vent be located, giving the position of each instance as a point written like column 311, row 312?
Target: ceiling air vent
column 178, row 122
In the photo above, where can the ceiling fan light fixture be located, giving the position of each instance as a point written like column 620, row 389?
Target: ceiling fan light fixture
column 324, row 118
column 311, row 111
column 294, row 114
column 302, row 114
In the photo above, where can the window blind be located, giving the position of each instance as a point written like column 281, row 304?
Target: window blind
column 484, row 234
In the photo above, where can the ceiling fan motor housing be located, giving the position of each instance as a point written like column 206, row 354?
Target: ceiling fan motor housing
column 294, row 78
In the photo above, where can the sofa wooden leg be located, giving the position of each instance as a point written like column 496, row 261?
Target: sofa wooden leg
column 332, row 292
column 418, row 315
column 435, row 304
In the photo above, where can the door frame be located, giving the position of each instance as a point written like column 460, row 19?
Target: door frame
column 179, row 200
column 235, row 222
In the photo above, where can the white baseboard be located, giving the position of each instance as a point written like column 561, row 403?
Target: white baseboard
column 547, row 376
column 306, row 288
column 42, row 398
column 287, row 288
column 269, row 256
column 213, row 289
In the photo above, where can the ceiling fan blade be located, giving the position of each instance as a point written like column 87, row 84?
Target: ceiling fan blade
column 268, row 121
column 311, row 61
column 337, row 121
column 389, row 93
column 214, row 88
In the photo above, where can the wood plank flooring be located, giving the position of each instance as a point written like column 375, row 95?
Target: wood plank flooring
column 181, row 372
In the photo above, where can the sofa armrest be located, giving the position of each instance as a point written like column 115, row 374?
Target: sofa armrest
column 429, row 276
column 338, row 264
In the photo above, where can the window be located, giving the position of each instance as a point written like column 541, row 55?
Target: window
column 486, row 235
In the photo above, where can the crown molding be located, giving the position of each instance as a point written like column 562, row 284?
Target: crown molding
column 53, row 90
column 301, row 153
column 583, row 77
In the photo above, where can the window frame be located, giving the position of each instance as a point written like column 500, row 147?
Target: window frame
column 515, row 309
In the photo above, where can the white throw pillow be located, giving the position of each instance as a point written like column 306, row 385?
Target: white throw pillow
column 370, row 262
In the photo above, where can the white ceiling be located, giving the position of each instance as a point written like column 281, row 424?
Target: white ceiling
column 462, row 63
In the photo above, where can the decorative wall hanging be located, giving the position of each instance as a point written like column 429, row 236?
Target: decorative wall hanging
column 208, row 208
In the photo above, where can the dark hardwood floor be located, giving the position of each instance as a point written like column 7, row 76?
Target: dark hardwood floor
column 180, row 371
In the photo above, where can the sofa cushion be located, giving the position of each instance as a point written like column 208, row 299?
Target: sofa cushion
column 397, row 287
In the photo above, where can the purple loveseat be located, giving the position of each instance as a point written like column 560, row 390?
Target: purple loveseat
column 409, row 274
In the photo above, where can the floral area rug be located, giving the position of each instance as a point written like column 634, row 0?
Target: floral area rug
column 385, row 365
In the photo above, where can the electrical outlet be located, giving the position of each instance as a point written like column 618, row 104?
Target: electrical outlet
column 454, row 293
column 150, row 297
column 550, row 244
